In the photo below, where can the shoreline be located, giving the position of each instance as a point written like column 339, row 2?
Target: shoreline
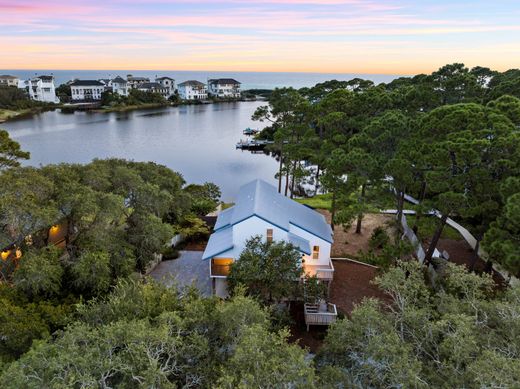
column 9, row 115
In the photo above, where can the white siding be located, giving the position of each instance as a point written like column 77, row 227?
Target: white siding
column 324, row 256
column 188, row 92
column 251, row 227
column 86, row 92
column 224, row 90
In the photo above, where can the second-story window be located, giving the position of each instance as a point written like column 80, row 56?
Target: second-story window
column 315, row 252
column 269, row 235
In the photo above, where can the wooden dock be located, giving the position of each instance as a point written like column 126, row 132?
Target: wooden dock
column 253, row 144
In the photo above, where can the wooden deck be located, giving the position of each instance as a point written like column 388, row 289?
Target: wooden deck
column 316, row 317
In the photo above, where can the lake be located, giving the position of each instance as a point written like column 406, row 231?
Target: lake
column 196, row 140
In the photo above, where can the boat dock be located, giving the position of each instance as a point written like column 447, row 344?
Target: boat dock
column 253, row 144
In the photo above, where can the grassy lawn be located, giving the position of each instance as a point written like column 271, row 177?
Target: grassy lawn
column 6, row 114
column 322, row 201
column 124, row 108
column 428, row 225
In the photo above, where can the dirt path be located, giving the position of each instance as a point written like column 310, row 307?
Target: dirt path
column 348, row 243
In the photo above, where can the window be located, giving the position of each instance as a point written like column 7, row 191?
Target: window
column 269, row 235
column 221, row 266
column 315, row 252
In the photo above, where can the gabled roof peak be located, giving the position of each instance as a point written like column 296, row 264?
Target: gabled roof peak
column 258, row 198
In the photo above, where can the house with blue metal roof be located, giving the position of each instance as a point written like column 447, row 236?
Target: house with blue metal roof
column 260, row 210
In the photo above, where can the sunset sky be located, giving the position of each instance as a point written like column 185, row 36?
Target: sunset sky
column 379, row 36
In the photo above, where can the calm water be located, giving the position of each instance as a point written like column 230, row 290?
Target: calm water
column 249, row 80
column 197, row 141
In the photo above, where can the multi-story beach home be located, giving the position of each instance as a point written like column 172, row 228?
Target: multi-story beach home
column 193, row 90
column 154, row 87
column 224, row 88
column 86, row 90
column 134, row 82
column 260, row 210
column 6, row 80
column 42, row 88
column 119, row 85
column 107, row 82
column 168, row 83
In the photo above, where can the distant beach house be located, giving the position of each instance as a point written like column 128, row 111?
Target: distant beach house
column 224, row 88
column 134, row 82
column 193, row 90
column 168, row 83
column 6, row 80
column 119, row 85
column 86, row 90
column 260, row 210
column 154, row 87
column 42, row 88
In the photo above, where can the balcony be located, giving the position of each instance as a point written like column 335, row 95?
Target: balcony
column 320, row 314
column 322, row 272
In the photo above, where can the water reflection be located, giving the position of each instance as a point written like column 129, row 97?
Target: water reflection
column 198, row 141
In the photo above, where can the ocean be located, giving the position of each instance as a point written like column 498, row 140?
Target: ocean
column 249, row 80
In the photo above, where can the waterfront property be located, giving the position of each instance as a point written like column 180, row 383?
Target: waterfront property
column 154, row 87
column 260, row 210
column 193, row 90
column 168, row 83
column 6, row 80
column 86, row 90
column 134, row 82
column 42, row 88
column 224, row 88
column 119, row 85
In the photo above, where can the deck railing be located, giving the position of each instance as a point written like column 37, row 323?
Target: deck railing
column 322, row 272
column 325, row 273
column 320, row 317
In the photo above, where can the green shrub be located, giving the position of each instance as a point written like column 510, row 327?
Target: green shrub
column 314, row 290
column 170, row 253
column 379, row 238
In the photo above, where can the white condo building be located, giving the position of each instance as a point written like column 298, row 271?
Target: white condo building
column 42, row 88
column 86, row 90
column 7, row 80
column 134, row 82
column 224, row 88
column 193, row 90
column 167, row 83
column 154, row 87
column 120, row 86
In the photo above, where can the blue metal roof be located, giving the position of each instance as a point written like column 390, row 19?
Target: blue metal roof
column 303, row 244
column 263, row 200
column 258, row 198
column 224, row 218
column 219, row 242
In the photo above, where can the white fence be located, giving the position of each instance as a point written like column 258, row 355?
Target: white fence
column 466, row 235
column 176, row 240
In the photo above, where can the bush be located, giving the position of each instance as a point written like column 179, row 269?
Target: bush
column 314, row 290
column 280, row 317
column 170, row 253
column 379, row 238
column 388, row 256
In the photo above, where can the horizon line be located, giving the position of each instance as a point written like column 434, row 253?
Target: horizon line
column 220, row 71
